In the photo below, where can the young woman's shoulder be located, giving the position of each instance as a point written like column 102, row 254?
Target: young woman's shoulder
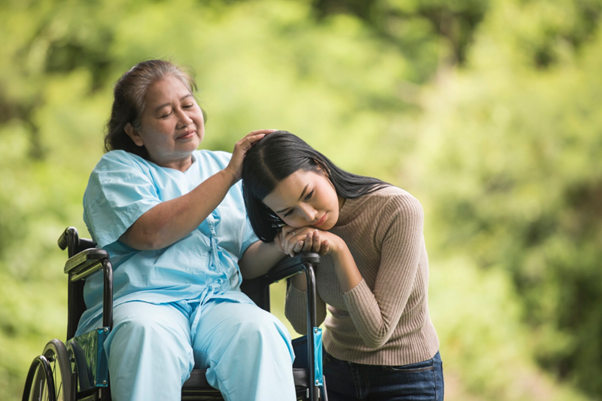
column 385, row 204
column 393, row 206
column 392, row 197
column 400, row 213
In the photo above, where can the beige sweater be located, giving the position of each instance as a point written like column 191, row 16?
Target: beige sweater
column 384, row 320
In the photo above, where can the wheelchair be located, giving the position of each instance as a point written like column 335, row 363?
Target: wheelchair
column 78, row 369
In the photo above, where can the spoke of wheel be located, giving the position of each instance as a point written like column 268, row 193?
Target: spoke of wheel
column 55, row 369
column 60, row 365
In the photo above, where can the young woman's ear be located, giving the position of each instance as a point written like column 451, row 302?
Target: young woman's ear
column 134, row 134
column 322, row 168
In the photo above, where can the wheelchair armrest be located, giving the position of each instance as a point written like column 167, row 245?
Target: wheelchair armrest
column 85, row 263
column 258, row 288
column 80, row 266
column 289, row 266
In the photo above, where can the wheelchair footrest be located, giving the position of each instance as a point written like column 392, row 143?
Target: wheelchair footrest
column 91, row 365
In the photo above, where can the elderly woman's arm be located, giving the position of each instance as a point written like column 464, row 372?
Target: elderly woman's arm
column 172, row 220
column 259, row 258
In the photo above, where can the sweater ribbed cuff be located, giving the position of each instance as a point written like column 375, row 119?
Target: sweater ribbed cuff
column 358, row 295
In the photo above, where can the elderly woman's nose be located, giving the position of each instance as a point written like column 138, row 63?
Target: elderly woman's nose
column 183, row 118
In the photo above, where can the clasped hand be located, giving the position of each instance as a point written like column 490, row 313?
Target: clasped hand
column 305, row 239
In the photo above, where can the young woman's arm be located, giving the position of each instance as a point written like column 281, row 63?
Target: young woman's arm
column 324, row 242
column 376, row 313
column 311, row 239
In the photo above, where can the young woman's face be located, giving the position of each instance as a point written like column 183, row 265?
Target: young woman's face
column 172, row 125
column 305, row 198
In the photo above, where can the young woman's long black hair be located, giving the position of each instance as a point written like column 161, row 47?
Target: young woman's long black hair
column 279, row 155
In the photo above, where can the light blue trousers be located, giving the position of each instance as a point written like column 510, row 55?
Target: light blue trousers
column 152, row 349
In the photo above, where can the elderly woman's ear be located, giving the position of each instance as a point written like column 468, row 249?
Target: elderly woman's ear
column 134, row 134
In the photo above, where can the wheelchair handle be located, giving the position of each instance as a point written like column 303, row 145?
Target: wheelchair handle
column 69, row 236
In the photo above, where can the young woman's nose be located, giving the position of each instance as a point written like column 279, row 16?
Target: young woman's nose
column 308, row 212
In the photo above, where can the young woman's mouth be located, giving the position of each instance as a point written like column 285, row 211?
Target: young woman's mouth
column 321, row 221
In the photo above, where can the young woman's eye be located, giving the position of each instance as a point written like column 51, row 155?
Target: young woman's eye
column 308, row 196
column 288, row 213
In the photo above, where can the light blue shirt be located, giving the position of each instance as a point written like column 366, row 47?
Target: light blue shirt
column 204, row 264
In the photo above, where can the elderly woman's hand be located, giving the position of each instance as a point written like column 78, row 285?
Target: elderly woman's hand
column 240, row 150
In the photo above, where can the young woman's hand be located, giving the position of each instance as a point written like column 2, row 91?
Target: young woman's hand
column 240, row 150
column 294, row 240
column 305, row 239
column 315, row 243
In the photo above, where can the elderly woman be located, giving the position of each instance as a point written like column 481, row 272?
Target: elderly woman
column 173, row 220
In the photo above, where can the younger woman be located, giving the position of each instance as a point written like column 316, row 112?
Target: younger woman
column 379, row 340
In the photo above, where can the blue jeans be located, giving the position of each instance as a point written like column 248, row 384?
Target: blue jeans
column 348, row 381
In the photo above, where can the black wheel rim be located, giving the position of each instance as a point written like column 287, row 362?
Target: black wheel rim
column 39, row 385
column 56, row 354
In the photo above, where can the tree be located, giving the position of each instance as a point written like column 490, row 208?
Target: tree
column 512, row 146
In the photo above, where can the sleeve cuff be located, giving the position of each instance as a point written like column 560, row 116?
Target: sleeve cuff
column 360, row 295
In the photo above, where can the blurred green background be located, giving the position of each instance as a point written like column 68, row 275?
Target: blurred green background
column 487, row 111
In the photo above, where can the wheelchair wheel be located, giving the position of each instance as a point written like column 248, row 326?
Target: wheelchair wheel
column 60, row 364
column 39, row 385
column 50, row 377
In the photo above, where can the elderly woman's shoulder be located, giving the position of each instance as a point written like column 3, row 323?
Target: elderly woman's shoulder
column 218, row 157
column 115, row 155
column 214, row 154
column 120, row 158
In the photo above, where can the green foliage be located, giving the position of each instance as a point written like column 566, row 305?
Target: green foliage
column 487, row 350
column 511, row 164
column 426, row 31
column 486, row 110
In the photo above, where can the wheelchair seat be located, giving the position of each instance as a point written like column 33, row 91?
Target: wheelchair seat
column 77, row 369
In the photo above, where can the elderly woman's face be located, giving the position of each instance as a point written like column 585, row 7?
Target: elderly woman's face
column 172, row 125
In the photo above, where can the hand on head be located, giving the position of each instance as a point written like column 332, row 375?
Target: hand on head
column 240, row 150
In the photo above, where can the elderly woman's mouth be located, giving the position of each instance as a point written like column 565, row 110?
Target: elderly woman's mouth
column 186, row 135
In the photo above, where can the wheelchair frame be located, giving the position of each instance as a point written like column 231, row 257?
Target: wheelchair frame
column 78, row 369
